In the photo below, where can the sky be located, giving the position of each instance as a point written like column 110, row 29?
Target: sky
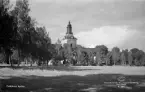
column 112, row 23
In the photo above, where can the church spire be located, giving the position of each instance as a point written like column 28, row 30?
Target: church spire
column 69, row 28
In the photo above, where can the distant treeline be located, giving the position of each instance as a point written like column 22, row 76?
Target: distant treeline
column 100, row 55
column 21, row 39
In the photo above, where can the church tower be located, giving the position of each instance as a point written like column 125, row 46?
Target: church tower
column 69, row 37
column 69, row 28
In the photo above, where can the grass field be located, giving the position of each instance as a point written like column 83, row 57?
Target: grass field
column 72, row 79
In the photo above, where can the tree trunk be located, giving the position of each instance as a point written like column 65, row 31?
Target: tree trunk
column 19, row 57
column 47, row 63
column 130, row 62
column 106, row 62
column 7, row 58
column 114, row 62
column 10, row 60
column 31, row 62
column 25, row 59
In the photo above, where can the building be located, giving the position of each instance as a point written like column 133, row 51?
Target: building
column 69, row 38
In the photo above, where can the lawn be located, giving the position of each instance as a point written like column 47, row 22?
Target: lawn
column 72, row 79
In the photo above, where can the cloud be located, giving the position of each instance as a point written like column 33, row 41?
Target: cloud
column 94, row 21
column 86, row 15
column 111, row 36
column 104, row 35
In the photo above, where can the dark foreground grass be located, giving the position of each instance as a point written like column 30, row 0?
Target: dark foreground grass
column 89, row 83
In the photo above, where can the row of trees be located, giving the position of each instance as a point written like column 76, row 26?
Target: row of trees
column 19, row 31
column 100, row 55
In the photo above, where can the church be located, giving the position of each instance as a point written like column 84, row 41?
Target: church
column 69, row 42
column 69, row 38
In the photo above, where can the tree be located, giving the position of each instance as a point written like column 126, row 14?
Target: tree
column 123, row 58
column 79, row 54
column 58, row 46
column 135, row 55
column 130, row 58
column 139, row 58
column 66, row 52
column 32, row 40
column 142, row 61
column 7, row 29
column 43, row 36
column 109, row 58
column 91, row 58
column 102, row 51
column 115, row 54
column 98, row 58
column 24, row 24
column 126, row 56
column 84, row 58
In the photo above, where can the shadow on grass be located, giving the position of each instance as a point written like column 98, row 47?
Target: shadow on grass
column 71, row 83
column 60, row 68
